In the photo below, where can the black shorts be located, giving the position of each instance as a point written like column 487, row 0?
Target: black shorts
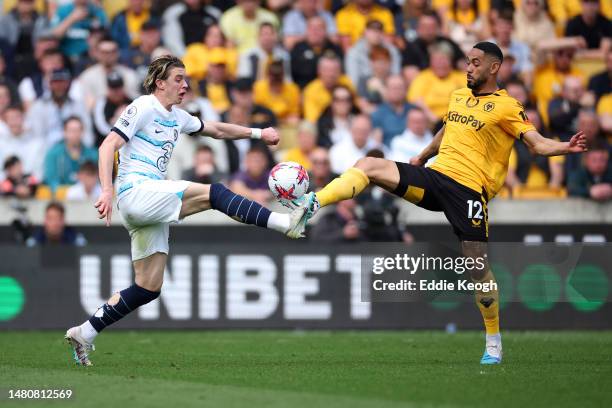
column 464, row 208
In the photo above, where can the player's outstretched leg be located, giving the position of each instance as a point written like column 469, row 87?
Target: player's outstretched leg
column 487, row 302
column 381, row 172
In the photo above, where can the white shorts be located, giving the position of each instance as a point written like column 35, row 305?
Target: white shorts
column 148, row 207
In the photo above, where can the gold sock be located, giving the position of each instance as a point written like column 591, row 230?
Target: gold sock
column 488, row 303
column 348, row 185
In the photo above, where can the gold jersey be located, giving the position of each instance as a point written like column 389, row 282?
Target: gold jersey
column 478, row 138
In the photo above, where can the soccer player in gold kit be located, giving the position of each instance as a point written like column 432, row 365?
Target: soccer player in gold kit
column 473, row 148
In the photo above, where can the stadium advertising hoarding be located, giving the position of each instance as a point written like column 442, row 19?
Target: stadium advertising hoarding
column 367, row 286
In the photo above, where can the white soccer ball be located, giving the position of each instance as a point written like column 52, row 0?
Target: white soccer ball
column 288, row 182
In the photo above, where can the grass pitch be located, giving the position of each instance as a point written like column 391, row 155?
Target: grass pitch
column 269, row 369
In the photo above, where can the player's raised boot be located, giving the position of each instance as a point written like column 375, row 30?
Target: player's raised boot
column 80, row 347
column 493, row 351
column 306, row 208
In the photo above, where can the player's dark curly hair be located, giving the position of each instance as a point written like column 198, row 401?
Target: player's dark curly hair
column 160, row 69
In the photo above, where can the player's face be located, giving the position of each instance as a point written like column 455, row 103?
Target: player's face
column 175, row 87
column 479, row 69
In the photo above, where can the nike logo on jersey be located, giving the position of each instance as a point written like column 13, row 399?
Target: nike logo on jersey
column 466, row 120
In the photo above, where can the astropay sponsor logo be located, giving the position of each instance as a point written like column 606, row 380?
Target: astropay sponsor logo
column 465, row 120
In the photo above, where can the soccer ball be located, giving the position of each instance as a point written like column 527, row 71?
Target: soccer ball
column 288, row 182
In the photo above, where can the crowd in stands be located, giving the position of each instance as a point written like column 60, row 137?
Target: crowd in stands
column 339, row 79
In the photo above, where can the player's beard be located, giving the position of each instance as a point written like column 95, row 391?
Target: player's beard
column 477, row 83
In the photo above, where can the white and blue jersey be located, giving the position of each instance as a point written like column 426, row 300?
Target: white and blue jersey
column 150, row 132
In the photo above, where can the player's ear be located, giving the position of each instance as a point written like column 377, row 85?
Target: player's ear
column 495, row 65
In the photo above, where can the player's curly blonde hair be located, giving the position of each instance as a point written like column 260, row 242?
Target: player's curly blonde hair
column 160, row 69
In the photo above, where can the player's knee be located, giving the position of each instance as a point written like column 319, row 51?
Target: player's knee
column 370, row 166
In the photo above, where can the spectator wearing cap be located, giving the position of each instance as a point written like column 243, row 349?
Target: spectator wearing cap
column 254, row 62
column 17, row 183
column 126, row 25
column 390, row 116
column 294, row 22
column 594, row 178
column 305, row 54
column 241, row 23
column 197, row 56
column 72, row 23
column 88, row 187
column 47, row 115
column 592, row 26
column 317, row 94
column 64, row 159
column 217, row 85
column 252, row 182
column 358, row 63
column 139, row 57
column 54, row 230
column 278, row 94
column 502, row 36
column 17, row 140
column 306, row 143
column 107, row 110
column 352, row 18
column 108, row 56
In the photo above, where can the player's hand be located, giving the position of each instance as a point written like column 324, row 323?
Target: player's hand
column 417, row 161
column 270, row 136
column 105, row 206
column 577, row 143
column 78, row 14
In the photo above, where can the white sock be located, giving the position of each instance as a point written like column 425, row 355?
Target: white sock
column 279, row 222
column 493, row 338
column 88, row 332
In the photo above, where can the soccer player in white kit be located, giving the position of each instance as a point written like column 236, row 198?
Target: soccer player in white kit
column 145, row 135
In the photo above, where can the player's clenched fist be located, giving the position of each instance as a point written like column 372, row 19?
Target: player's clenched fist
column 105, row 206
column 270, row 136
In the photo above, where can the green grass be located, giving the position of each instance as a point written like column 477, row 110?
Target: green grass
column 173, row 369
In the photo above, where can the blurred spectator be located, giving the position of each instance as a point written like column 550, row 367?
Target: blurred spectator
column 604, row 111
column 432, row 87
column 317, row 94
column 108, row 57
column 197, row 56
column 548, row 79
column 390, row 116
column 359, row 62
column 352, row 18
column 345, row 153
column 406, row 22
column 6, row 99
column 588, row 122
column 139, row 57
column 340, row 225
column 47, row 115
column 204, row 169
column 531, row 170
column 563, row 110
column 252, row 182
column 594, row 179
column 42, row 43
column 88, row 186
column 278, row 94
column 506, row 71
column 306, row 143
column 592, row 26
column 126, row 25
column 217, row 86
column 502, row 36
column 320, row 173
column 107, row 110
column 254, row 61
column 38, row 83
column 242, row 96
column 532, row 24
column 64, row 159
column 55, row 231
column 517, row 89
column 17, row 183
column 414, row 139
column 197, row 17
column 306, row 53
column 19, row 28
column 8, row 80
column 466, row 25
column 416, row 54
column 91, row 57
column 371, row 88
column 294, row 22
column 241, row 23
column 72, row 23
column 601, row 84
column 334, row 125
column 18, row 141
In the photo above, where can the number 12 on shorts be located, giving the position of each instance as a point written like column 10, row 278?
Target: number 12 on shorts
column 474, row 209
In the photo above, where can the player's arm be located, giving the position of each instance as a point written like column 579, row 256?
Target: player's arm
column 430, row 151
column 549, row 147
column 220, row 130
column 106, row 159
